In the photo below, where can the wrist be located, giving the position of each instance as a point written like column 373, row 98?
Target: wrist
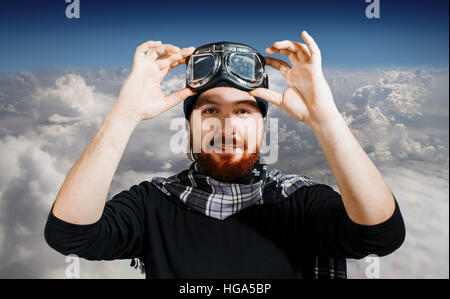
column 127, row 119
column 325, row 119
column 329, row 127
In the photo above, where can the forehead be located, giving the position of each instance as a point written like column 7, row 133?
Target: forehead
column 224, row 94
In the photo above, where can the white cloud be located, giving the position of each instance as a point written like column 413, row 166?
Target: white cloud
column 422, row 190
column 167, row 165
column 47, row 119
column 397, row 93
column 59, row 119
column 379, row 115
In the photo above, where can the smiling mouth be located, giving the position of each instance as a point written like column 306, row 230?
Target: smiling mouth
column 228, row 148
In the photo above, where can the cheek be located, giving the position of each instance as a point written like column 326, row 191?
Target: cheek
column 204, row 131
column 195, row 128
column 253, row 134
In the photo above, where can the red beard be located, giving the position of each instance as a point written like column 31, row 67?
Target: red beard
column 223, row 167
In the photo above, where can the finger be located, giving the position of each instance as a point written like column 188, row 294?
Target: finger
column 177, row 97
column 290, row 45
column 160, row 50
column 144, row 47
column 272, row 50
column 168, row 68
column 187, row 51
column 278, row 64
column 304, row 51
column 312, row 46
column 293, row 58
column 147, row 45
column 300, row 49
column 175, row 64
column 285, row 44
column 268, row 95
column 167, row 60
column 166, row 48
column 164, row 71
column 173, row 60
column 151, row 54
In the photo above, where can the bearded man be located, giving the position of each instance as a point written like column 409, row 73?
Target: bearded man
column 227, row 215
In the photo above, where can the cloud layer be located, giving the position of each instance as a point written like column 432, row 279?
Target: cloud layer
column 400, row 117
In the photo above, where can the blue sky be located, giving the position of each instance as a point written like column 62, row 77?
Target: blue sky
column 50, row 114
column 37, row 35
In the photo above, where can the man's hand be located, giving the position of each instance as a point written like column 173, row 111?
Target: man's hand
column 308, row 98
column 81, row 199
column 366, row 196
column 141, row 97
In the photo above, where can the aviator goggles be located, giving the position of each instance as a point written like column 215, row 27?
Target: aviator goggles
column 238, row 64
column 225, row 64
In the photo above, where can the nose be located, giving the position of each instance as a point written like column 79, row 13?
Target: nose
column 226, row 136
column 226, row 133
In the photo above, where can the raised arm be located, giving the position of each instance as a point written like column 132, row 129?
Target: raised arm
column 308, row 99
column 81, row 198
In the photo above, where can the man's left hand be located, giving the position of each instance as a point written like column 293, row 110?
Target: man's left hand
column 308, row 98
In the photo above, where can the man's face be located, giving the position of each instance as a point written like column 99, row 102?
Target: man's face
column 227, row 127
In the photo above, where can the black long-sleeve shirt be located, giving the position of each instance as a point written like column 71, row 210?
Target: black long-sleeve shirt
column 262, row 241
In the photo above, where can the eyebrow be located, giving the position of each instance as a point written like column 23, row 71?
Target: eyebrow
column 248, row 102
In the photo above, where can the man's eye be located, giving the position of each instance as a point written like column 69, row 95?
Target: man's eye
column 209, row 110
column 241, row 111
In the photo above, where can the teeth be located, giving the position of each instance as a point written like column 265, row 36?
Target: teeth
column 228, row 148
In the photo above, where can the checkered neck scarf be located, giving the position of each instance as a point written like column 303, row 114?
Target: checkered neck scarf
column 220, row 200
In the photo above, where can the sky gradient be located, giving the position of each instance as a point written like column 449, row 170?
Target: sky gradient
column 59, row 78
column 37, row 34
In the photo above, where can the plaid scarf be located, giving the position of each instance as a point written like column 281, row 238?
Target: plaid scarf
column 219, row 200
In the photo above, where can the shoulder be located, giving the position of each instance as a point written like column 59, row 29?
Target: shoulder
column 316, row 195
column 316, row 190
column 147, row 190
column 152, row 195
column 142, row 194
column 138, row 190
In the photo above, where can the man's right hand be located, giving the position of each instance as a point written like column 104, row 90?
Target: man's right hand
column 81, row 199
column 141, row 97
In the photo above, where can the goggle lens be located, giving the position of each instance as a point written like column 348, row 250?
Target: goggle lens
column 202, row 66
column 246, row 66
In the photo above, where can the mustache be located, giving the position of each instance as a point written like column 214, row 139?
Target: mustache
column 226, row 169
column 231, row 141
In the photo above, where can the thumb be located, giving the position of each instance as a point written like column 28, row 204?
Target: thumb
column 268, row 95
column 178, row 96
